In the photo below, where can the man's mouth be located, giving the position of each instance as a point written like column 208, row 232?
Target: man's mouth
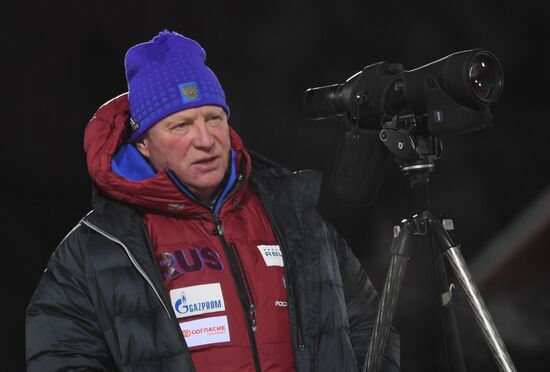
column 206, row 161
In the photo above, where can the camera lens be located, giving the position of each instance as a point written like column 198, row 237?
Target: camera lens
column 486, row 78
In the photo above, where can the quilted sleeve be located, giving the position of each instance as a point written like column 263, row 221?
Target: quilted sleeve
column 62, row 331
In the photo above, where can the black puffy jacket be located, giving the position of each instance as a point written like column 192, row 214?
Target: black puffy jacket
column 101, row 304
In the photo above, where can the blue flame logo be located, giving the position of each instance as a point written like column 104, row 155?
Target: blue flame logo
column 181, row 306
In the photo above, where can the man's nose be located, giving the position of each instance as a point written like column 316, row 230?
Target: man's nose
column 203, row 139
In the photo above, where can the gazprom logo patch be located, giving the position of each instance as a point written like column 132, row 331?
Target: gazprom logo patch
column 189, row 91
column 197, row 299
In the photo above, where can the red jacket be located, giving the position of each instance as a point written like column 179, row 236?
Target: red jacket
column 223, row 270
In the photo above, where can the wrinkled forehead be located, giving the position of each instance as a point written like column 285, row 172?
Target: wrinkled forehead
column 195, row 112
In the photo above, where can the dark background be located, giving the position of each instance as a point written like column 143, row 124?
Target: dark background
column 62, row 61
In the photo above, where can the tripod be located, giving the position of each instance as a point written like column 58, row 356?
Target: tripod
column 416, row 155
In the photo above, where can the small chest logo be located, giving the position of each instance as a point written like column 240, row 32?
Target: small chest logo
column 272, row 255
column 134, row 125
column 189, row 91
column 175, row 206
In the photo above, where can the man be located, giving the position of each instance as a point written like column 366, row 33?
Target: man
column 196, row 255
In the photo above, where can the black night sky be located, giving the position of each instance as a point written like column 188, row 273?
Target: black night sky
column 62, row 60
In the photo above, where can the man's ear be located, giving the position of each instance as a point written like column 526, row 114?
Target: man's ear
column 142, row 146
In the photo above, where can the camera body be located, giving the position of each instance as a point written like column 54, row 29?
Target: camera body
column 453, row 88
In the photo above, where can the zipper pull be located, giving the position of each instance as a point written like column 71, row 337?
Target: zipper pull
column 253, row 317
column 218, row 230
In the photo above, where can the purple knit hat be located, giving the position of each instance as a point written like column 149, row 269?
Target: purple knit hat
column 166, row 75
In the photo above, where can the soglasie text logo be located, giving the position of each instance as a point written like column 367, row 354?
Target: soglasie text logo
column 208, row 330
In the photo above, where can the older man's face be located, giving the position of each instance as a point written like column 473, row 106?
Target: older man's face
column 194, row 143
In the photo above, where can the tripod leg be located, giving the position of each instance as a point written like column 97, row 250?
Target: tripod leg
column 481, row 312
column 388, row 300
column 386, row 309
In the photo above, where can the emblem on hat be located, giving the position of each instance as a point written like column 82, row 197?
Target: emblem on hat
column 189, row 91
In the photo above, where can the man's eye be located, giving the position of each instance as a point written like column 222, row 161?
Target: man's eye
column 180, row 126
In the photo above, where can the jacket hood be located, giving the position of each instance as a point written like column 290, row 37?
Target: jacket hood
column 106, row 133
